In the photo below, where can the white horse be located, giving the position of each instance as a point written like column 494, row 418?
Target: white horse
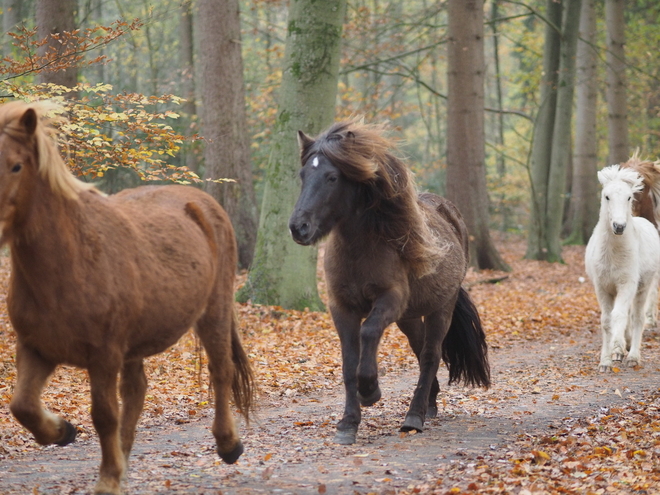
column 623, row 262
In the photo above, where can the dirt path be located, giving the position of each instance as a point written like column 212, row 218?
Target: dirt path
column 538, row 387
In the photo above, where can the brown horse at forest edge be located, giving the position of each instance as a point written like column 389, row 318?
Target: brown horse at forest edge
column 392, row 255
column 102, row 282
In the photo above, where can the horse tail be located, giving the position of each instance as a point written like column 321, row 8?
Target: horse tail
column 464, row 349
column 243, row 386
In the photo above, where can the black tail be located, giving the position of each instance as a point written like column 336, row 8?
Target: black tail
column 464, row 349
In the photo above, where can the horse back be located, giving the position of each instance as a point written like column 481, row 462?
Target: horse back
column 448, row 212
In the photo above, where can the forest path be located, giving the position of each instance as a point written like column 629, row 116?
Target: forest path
column 538, row 387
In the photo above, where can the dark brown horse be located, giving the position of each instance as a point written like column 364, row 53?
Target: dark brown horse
column 392, row 256
column 103, row 282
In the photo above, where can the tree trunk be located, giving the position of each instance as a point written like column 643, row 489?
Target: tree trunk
column 284, row 273
column 617, row 109
column 189, row 108
column 224, row 120
column 583, row 210
column 12, row 15
column 56, row 16
column 561, row 136
column 543, row 131
column 466, row 169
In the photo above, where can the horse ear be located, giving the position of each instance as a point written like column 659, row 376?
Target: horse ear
column 304, row 140
column 29, row 121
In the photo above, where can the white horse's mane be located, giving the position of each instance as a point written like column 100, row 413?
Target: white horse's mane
column 625, row 174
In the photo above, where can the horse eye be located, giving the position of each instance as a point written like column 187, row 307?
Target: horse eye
column 607, row 198
column 16, row 168
column 332, row 178
column 628, row 198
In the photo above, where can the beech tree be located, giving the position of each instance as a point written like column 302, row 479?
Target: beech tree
column 466, row 169
column 224, row 120
column 54, row 18
column 583, row 208
column 549, row 174
column 284, row 273
column 617, row 108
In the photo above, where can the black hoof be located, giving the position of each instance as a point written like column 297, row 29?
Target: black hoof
column 345, row 437
column 413, row 423
column 432, row 412
column 232, row 457
column 70, row 433
column 371, row 399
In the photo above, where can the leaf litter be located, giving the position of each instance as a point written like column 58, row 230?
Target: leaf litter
column 550, row 424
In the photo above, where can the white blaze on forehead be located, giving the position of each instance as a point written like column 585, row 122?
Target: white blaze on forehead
column 315, row 162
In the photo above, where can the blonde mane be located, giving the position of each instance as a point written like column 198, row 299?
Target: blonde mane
column 51, row 166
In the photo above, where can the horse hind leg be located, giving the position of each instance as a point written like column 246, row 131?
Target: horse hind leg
column 436, row 326
column 132, row 389
column 32, row 374
column 413, row 329
column 105, row 417
column 215, row 333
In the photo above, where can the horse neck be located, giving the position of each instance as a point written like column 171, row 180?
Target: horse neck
column 43, row 239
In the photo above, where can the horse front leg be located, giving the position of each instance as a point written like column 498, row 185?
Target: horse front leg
column 413, row 329
column 606, row 302
column 105, row 417
column 385, row 310
column 32, row 374
column 348, row 329
column 132, row 389
column 621, row 312
column 436, row 326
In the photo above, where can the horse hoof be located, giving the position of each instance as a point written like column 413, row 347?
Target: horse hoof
column 345, row 437
column 432, row 412
column 617, row 357
column 371, row 399
column 413, row 423
column 604, row 369
column 70, row 433
column 232, row 457
column 631, row 363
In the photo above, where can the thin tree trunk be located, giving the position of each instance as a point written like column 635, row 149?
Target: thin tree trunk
column 189, row 107
column 583, row 210
column 466, row 169
column 284, row 273
column 543, row 132
column 617, row 118
column 501, row 163
column 12, row 15
column 56, row 17
column 561, row 137
column 224, row 120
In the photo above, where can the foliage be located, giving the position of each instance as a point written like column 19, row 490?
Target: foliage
column 104, row 130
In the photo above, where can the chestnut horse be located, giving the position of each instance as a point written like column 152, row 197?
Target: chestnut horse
column 392, row 256
column 101, row 282
column 647, row 205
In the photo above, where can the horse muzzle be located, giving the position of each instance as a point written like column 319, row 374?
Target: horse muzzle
column 618, row 228
column 301, row 232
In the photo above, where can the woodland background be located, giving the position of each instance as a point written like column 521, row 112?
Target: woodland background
column 147, row 89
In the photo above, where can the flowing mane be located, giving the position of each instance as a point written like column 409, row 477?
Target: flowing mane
column 648, row 198
column 364, row 154
column 51, row 165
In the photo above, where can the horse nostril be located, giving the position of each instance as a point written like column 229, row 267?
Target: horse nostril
column 303, row 229
column 619, row 228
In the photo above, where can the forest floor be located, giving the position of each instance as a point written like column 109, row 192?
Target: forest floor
column 549, row 424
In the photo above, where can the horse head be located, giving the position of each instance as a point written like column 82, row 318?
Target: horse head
column 325, row 196
column 619, row 188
